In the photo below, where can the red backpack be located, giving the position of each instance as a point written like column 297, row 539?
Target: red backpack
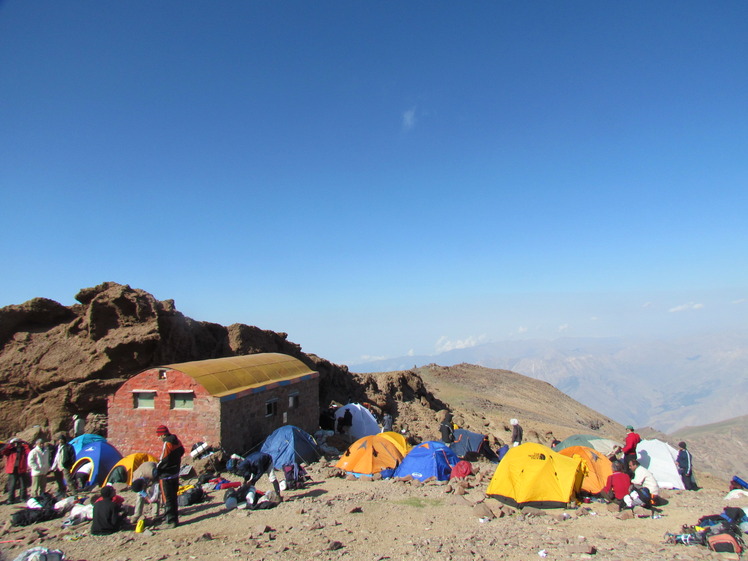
column 461, row 469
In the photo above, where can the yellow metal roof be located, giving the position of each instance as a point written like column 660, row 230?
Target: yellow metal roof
column 225, row 376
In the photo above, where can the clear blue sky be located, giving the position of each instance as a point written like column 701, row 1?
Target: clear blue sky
column 379, row 178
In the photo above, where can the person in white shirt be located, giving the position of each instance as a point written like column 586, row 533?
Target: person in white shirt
column 38, row 464
column 644, row 478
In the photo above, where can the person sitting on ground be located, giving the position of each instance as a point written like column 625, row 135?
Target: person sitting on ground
column 252, row 468
column 617, row 486
column 644, row 478
column 107, row 514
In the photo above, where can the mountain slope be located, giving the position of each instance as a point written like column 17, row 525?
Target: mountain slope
column 665, row 384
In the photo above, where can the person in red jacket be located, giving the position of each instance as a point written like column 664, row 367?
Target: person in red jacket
column 16, row 456
column 617, row 486
column 629, row 446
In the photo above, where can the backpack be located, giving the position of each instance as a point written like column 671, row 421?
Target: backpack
column 725, row 542
column 68, row 456
column 29, row 516
column 644, row 495
column 295, row 475
column 191, row 496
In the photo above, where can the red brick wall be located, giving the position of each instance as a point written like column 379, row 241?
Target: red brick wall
column 134, row 430
column 237, row 424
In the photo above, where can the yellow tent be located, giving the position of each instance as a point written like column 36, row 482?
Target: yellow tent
column 534, row 475
column 370, row 455
column 597, row 467
column 129, row 464
column 398, row 440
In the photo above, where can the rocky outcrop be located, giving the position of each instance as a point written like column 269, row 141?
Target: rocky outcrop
column 57, row 360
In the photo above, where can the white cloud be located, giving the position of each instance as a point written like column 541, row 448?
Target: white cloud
column 686, row 307
column 409, row 119
column 443, row 344
column 563, row 327
column 594, row 318
column 738, row 301
column 370, row 358
column 647, row 305
column 522, row 330
column 411, row 352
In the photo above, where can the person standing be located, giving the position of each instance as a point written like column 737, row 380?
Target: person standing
column 168, row 474
column 64, row 460
column 629, row 447
column 386, row 422
column 685, row 466
column 517, row 432
column 38, row 464
column 16, row 466
column 446, row 429
column 79, row 425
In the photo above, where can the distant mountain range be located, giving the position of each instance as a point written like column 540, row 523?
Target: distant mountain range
column 666, row 384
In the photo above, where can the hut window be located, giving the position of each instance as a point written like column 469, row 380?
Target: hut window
column 181, row 400
column 143, row 400
column 271, row 408
column 293, row 400
column 162, row 374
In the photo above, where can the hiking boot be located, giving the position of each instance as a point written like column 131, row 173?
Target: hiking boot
column 172, row 525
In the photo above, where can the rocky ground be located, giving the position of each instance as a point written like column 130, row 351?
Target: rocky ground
column 334, row 518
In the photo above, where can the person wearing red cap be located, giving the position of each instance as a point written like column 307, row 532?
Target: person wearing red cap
column 168, row 474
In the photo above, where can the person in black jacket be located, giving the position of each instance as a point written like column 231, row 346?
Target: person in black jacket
column 446, row 429
column 64, row 460
column 685, row 467
column 107, row 515
column 252, row 468
column 168, row 474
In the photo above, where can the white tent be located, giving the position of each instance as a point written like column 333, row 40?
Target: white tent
column 659, row 458
column 364, row 423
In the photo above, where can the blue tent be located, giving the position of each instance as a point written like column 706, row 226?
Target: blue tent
column 103, row 457
column 289, row 444
column 471, row 445
column 428, row 459
column 80, row 441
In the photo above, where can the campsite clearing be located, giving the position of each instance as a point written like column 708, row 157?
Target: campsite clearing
column 371, row 520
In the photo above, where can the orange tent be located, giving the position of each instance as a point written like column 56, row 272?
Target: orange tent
column 370, row 455
column 597, row 467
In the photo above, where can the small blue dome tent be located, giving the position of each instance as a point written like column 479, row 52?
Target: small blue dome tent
column 80, row 441
column 428, row 459
column 471, row 445
column 290, row 444
column 103, row 457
